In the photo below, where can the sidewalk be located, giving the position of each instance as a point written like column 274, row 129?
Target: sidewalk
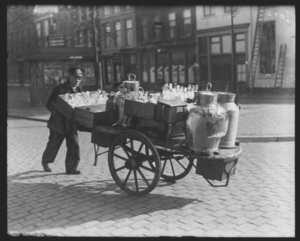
column 263, row 118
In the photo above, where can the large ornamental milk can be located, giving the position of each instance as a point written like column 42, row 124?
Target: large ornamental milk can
column 206, row 123
column 226, row 100
column 131, row 84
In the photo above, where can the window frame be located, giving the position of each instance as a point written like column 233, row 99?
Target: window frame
column 129, row 30
column 107, row 35
column 89, row 13
column 80, row 14
column 211, row 12
column 116, row 9
column 118, row 31
column 184, row 25
column 107, row 10
column 217, row 42
column 157, row 32
column 144, row 29
column 171, row 27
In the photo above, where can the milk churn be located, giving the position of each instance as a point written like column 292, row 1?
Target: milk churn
column 206, row 123
column 226, row 100
column 131, row 84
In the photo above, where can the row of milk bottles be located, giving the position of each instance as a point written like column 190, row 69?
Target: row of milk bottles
column 178, row 92
column 212, row 121
column 86, row 98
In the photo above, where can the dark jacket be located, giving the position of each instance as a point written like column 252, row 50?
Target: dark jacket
column 57, row 121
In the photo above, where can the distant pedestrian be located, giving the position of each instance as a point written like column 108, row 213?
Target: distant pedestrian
column 61, row 128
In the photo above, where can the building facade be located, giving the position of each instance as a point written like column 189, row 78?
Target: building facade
column 165, row 44
column 213, row 34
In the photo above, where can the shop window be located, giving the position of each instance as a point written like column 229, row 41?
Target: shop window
column 144, row 32
column 130, row 64
column 172, row 24
column 129, row 34
column 203, row 68
column 202, row 45
column 89, row 78
column 187, row 22
column 157, row 28
column 152, row 68
column 117, row 72
column 178, row 74
column 163, row 68
column 267, row 48
column 226, row 68
column 216, row 68
column 118, row 34
column 52, row 73
column 145, row 68
column 208, row 11
column 108, row 71
column 240, row 43
column 215, row 45
column 191, row 69
column 241, row 71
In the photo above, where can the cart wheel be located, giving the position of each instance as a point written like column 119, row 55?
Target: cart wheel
column 175, row 165
column 128, row 158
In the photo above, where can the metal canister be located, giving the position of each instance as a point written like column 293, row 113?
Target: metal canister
column 131, row 84
column 226, row 100
column 206, row 123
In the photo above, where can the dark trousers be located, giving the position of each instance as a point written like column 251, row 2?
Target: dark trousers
column 52, row 148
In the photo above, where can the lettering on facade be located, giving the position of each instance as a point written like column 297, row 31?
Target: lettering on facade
column 283, row 16
column 56, row 40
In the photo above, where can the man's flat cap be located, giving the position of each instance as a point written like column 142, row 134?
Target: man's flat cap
column 76, row 72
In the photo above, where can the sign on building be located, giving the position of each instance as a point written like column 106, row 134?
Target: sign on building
column 56, row 40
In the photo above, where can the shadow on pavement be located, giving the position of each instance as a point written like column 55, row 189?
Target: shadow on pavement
column 105, row 199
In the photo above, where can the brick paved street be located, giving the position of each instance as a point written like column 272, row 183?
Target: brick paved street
column 259, row 201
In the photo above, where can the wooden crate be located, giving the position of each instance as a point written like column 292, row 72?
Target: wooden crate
column 171, row 111
column 92, row 115
column 161, row 130
column 139, row 109
column 64, row 107
column 214, row 169
column 88, row 115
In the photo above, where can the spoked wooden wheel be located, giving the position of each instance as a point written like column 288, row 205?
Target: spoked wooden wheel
column 175, row 165
column 129, row 158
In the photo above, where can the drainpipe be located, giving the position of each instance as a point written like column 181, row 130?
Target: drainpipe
column 233, row 62
column 98, row 64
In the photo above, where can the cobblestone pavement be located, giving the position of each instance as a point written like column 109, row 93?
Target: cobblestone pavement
column 269, row 119
column 259, row 201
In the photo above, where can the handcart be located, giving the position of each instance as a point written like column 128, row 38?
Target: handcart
column 151, row 146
